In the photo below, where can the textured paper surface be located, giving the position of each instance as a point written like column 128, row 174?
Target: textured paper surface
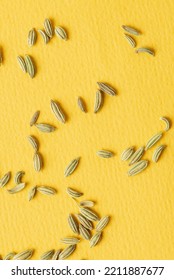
column 141, row 208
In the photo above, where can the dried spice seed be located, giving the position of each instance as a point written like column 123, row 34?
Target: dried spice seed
column 157, row 153
column 138, row 167
column 70, row 240
column 146, row 50
column 153, row 140
column 19, row 176
column 67, row 252
column 127, row 153
column 17, row 188
column 73, row 223
column 84, row 232
column 5, row 179
column 48, row 27
column 105, row 154
column 102, row 223
column 44, row 127
column 71, row 167
column 32, row 36
column 34, row 118
column 73, row 192
column 84, row 222
column 47, row 255
column 25, row 255
column 56, row 255
column 22, row 63
column 32, row 193
column 34, row 142
column 167, row 123
column 1, row 57
column 130, row 40
column 107, row 88
column 45, row 37
column 95, row 239
column 30, row 65
column 131, row 30
column 61, row 33
column 98, row 101
column 89, row 214
column 37, row 161
column 58, row 112
column 81, row 104
column 46, row 190
column 137, row 155
column 9, row 256
column 87, row 203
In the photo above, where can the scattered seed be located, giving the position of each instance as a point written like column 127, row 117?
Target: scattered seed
column 32, row 193
column 25, row 255
column 127, row 153
column 44, row 127
column 49, row 28
column 98, row 101
column 73, row 192
column 18, row 177
column 34, row 142
column 46, row 190
column 32, row 36
column 71, row 167
column 130, row 40
column 87, row 203
column 9, row 256
column 56, row 255
column 102, row 223
column 22, row 63
column 131, row 30
column 34, row 118
column 105, row 154
column 84, row 222
column 47, row 255
column 45, row 37
column 67, row 252
column 157, row 153
column 89, row 214
column 95, row 239
column 137, row 155
column 107, row 89
column 61, row 33
column 5, row 179
column 70, row 240
column 138, row 167
column 146, row 50
column 153, row 140
column 37, row 161
column 30, row 65
column 17, row 188
column 167, row 122
column 57, row 110
column 81, row 104
column 84, row 232
column 73, row 223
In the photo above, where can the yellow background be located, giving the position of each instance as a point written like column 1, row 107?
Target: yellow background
column 142, row 207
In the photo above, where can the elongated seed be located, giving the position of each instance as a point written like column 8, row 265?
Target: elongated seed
column 45, row 37
column 56, row 255
column 5, row 179
column 58, row 112
column 131, row 30
column 1, row 57
column 102, row 223
column 81, row 104
column 73, row 192
column 61, row 33
column 18, row 177
column 48, row 27
column 30, row 65
column 9, row 256
column 32, row 36
column 37, row 161
column 127, row 153
column 34, row 142
column 84, row 222
column 146, row 50
column 153, row 140
column 107, row 88
column 25, row 255
column 34, row 118
column 87, row 203
column 95, row 239
column 105, row 154
column 137, row 155
column 32, row 193
column 89, row 214
column 167, row 123
column 46, row 190
column 73, row 223
column 138, row 167
column 98, row 101
column 157, row 153
column 17, row 188
column 71, row 167
column 44, row 127
column 70, row 240
column 84, row 232
column 22, row 63
column 47, row 255
column 67, row 252
column 131, row 40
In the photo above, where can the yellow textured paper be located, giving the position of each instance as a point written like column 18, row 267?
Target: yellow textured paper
column 142, row 207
